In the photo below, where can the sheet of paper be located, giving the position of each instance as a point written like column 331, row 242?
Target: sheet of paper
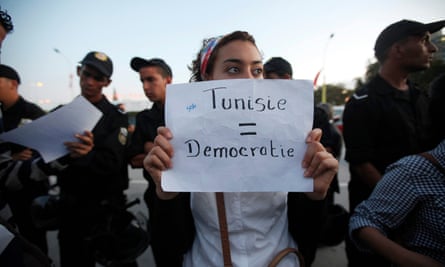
column 48, row 133
column 239, row 135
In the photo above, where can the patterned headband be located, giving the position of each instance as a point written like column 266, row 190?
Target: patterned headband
column 206, row 52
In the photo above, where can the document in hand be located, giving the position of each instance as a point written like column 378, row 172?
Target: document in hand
column 239, row 135
column 48, row 133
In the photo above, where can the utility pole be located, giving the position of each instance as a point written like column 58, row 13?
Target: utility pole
column 323, row 88
column 70, row 73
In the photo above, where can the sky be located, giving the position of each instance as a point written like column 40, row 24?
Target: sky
column 299, row 31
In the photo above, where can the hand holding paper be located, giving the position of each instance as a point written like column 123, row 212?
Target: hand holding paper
column 315, row 162
column 239, row 135
column 49, row 133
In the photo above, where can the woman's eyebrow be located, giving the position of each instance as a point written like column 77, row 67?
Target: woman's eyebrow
column 239, row 61
column 233, row 60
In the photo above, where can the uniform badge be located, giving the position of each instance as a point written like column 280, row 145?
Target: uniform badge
column 101, row 56
column 123, row 133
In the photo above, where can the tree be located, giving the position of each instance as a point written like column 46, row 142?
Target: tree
column 338, row 94
column 424, row 78
column 421, row 78
column 335, row 94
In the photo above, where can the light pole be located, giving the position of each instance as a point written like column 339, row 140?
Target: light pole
column 70, row 66
column 323, row 88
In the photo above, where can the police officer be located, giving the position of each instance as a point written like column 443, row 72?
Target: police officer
column 16, row 112
column 155, row 75
column 306, row 229
column 387, row 118
column 91, row 187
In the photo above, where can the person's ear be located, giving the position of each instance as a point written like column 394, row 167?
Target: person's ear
column 79, row 68
column 169, row 79
column 107, row 82
column 14, row 83
column 398, row 50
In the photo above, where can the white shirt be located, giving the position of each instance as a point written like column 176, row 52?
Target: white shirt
column 257, row 226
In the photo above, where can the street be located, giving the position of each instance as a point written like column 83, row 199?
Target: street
column 326, row 256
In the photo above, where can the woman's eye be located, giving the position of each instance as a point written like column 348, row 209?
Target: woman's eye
column 233, row 70
column 258, row 71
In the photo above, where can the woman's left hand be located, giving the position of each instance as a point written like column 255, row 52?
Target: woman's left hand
column 319, row 164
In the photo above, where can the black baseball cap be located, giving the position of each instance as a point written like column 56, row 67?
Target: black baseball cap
column 278, row 65
column 137, row 63
column 99, row 61
column 10, row 73
column 401, row 30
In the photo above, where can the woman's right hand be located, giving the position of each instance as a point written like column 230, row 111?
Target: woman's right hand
column 159, row 159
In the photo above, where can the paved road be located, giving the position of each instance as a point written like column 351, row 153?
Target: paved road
column 326, row 257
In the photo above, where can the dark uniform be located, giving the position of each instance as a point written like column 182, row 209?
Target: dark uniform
column 147, row 123
column 91, row 186
column 306, row 229
column 19, row 201
column 381, row 125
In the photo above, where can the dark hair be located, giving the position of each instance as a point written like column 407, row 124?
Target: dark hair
column 5, row 21
column 437, row 108
column 195, row 67
column 279, row 66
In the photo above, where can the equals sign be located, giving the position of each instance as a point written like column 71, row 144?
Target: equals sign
column 247, row 124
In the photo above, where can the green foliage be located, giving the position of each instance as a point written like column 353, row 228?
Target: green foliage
column 421, row 78
column 424, row 78
column 335, row 94
column 338, row 94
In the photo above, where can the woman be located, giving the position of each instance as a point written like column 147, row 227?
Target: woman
column 257, row 222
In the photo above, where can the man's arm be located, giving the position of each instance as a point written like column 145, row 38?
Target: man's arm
column 368, row 174
column 392, row 251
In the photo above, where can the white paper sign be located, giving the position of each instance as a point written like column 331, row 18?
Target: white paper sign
column 48, row 133
column 240, row 135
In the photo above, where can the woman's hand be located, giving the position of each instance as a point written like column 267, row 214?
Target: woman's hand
column 319, row 164
column 159, row 159
column 83, row 146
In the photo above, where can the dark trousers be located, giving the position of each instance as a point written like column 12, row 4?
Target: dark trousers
column 12, row 256
column 80, row 223
column 20, row 203
column 163, row 253
column 305, row 223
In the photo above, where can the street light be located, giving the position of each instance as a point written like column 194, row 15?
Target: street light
column 70, row 65
column 323, row 88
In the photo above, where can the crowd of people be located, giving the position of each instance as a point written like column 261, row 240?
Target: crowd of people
column 394, row 137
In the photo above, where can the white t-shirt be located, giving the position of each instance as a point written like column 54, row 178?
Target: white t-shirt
column 257, row 225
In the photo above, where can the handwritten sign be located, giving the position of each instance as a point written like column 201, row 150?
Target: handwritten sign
column 240, row 135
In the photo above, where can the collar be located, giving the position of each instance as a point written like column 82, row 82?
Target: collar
column 103, row 104
column 382, row 87
column 17, row 106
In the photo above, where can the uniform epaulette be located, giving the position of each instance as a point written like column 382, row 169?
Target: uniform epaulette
column 359, row 97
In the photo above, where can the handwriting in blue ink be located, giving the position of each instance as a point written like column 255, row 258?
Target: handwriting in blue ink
column 191, row 107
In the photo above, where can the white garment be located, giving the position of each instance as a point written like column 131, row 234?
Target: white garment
column 257, row 225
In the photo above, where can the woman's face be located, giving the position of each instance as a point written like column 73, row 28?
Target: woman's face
column 237, row 60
